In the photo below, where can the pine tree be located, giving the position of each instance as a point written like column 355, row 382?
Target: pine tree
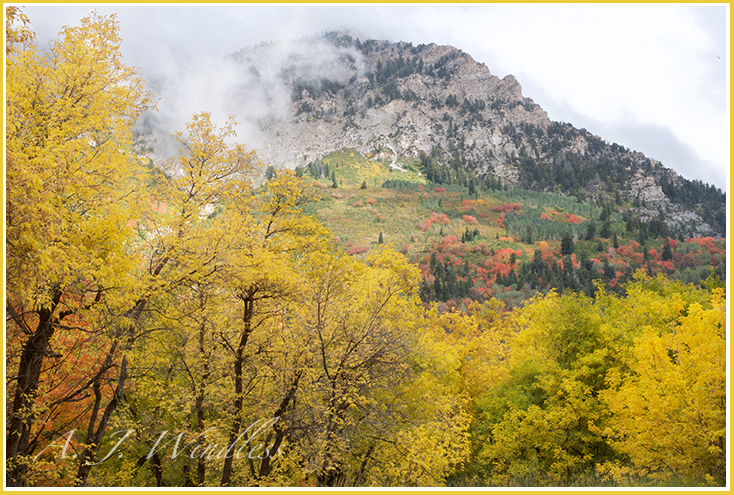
column 590, row 231
column 606, row 229
column 566, row 245
column 667, row 251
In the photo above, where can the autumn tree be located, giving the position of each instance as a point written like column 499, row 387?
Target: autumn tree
column 539, row 417
column 71, row 194
column 260, row 271
column 16, row 34
column 669, row 407
column 371, row 364
column 593, row 383
column 332, row 362
column 186, row 234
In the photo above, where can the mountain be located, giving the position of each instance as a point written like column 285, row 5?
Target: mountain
column 435, row 110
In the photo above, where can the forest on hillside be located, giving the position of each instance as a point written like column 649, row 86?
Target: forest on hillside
column 178, row 326
column 544, row 156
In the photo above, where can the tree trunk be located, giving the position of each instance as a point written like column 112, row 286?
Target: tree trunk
column 94, row 438
column 29, row 373
column 199, row 405
column 248, row 312
column 93, row 441
column 279, row 430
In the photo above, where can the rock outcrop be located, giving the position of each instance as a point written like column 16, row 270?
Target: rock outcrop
column 400, row 102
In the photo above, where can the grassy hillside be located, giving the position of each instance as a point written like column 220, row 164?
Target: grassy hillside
column 402, row 211
column 503, row 244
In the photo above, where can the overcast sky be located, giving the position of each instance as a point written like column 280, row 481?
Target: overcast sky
column 652, row 77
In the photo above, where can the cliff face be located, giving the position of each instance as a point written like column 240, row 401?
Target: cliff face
column 403, row 100
column 399, row 103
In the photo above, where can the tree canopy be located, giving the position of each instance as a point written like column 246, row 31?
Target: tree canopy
column 175, row 324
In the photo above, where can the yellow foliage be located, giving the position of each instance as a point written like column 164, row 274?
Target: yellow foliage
column 670, row 410
column 73, row 192
column 71, row 188
column 252, row 313
column 593, row 381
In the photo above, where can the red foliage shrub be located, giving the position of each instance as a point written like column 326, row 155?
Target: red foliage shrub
column 571, row 218
column 668, row 265
column 507, row 207
column 439, row 218
column 469, row 219
column 625, row 251
column 357, row 250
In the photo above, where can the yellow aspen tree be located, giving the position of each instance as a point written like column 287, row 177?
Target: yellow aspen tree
column 229, row 264
column 359, row 348
column 538, row 422
column 71, row 194
column 434, row 440
column 259, row 271
column 669, row 410
column 189, row 233
column 181, row 236
column 16, row 34
column 372, row 409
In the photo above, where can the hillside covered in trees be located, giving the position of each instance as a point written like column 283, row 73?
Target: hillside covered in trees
column 435, row 107
column 214, row 321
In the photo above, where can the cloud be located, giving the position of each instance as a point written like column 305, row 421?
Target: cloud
column 253, row 85
column 623, row 66
column 626, row 72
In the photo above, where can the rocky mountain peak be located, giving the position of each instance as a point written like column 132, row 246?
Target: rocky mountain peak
column 404, row 103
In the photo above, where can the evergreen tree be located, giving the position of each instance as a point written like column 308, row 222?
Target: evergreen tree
column 590, row 231
column 528, row 237
column 566, row 245
column 609, row 272
column 606, row 230
column 667, row 251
